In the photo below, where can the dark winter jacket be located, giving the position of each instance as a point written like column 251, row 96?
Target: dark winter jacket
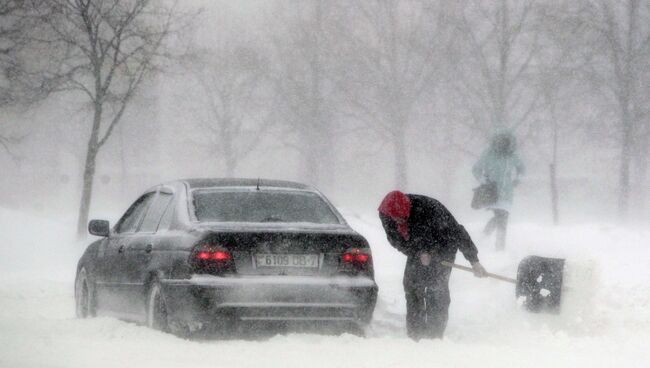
column 432, row 229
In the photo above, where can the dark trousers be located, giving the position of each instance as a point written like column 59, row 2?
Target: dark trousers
column 499, row 223
column 427, row 305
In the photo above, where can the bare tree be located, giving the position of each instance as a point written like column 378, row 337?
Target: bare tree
column 107, row 48
column 392, row 52
column 557, row 63
column 12, row 40
column 497, row 70
column 618, row 35
column 302, row 77
column 642, row 141
column 234, row 93
column 21, row 77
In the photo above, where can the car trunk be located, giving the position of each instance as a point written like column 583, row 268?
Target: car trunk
column 282, row 252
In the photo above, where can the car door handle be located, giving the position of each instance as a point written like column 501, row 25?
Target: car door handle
column 148, row 248
column 120, row 249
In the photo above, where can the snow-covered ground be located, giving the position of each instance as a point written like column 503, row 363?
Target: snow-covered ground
column 605, row 320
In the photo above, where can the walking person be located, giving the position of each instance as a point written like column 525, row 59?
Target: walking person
column 500, row 166
column 427, row 233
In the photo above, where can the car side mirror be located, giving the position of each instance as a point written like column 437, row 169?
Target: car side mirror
column 99, row 227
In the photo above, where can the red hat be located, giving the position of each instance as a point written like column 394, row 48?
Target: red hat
column 396, row 205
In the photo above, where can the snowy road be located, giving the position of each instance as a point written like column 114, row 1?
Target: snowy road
column 486, row 327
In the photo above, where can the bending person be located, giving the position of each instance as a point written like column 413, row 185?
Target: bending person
column 427, row 233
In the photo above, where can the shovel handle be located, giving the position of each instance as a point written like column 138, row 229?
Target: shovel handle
column 469, row 269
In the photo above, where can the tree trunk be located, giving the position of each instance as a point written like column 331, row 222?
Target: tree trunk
column 321, row 153
column 643, row 186
column 626, row 98
column 554, row 194
column 555, row 198
column 502, row 77
column 624, row 173
column 124, row 175
column 89, row 172
column 87, row 190
column 642, row 177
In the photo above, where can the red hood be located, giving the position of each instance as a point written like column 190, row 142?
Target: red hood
column 396, row 205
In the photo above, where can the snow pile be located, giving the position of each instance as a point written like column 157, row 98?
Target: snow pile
column 605, row 318
column 581, row 284
column 37, row 248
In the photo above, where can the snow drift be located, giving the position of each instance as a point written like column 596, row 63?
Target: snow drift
column 604, row 322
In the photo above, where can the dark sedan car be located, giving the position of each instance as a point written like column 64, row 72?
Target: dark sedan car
column 214, row 253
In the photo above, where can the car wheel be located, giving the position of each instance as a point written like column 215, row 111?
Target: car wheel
column 84, row 297
column 356, row 330
column 157, row 309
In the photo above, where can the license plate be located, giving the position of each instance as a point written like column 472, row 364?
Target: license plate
column 287, row 260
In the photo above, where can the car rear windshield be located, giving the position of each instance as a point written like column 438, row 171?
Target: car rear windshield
column 262, row 206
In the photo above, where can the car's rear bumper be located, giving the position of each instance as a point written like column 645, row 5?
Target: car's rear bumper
column 207, row 299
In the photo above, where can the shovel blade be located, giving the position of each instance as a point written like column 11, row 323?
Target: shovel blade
column 539, row 282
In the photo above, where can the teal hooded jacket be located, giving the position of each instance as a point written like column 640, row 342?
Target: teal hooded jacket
column 500, row 164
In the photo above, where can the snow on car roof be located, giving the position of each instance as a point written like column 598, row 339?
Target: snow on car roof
column 236, row 182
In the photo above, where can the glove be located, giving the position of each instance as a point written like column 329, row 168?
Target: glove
column 478, row 270
column 425, row 258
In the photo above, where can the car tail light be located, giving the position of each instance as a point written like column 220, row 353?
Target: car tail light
column 212, row 259
column 356, row 260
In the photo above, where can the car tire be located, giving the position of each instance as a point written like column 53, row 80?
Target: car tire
column 356, row 330
column 85, row 305
column 157, row 317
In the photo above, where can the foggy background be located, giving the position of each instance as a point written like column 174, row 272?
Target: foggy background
column 102, row 99
column 355, row 98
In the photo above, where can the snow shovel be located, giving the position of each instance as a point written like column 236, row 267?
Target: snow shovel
column 538, row 283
